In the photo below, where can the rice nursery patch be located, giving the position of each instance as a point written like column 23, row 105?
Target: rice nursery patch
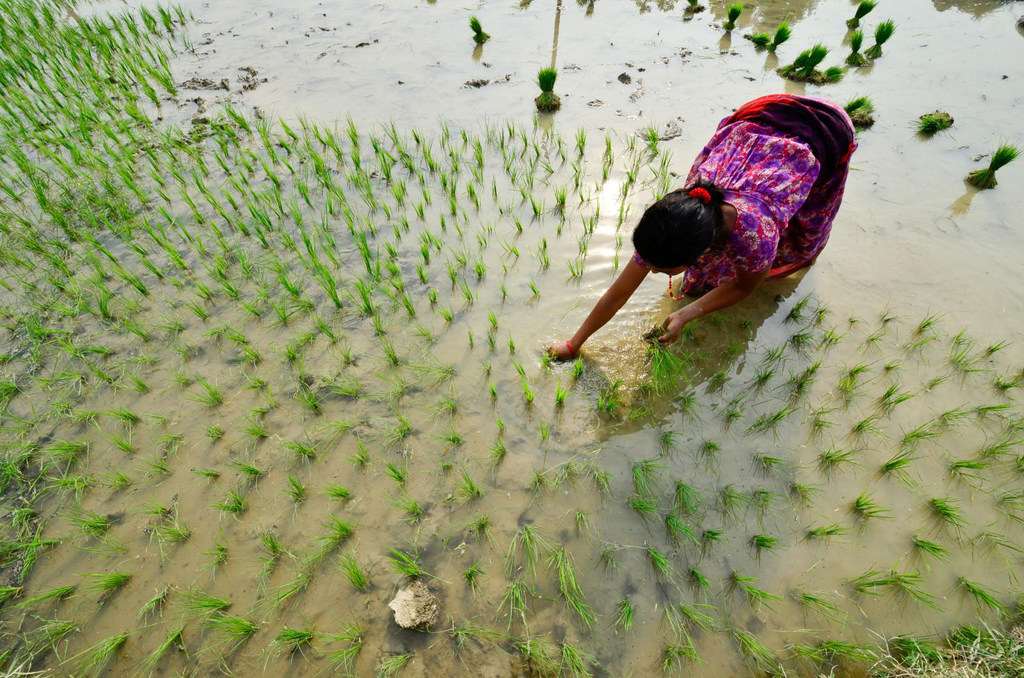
column 256, row 374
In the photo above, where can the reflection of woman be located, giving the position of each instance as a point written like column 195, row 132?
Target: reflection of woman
column 759, row 203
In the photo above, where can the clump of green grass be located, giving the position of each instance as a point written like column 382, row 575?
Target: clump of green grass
column 984, row 597
column 547, row 101
column 907, row 584
column 860, row 110
column 355, row 574
column 290, row 640
column 479, row 37
column 883, row 32
column 986, row 178
column 862, row 11
column 805, row 67
column 107, row 584
column 771, row 42
column 407, row 564
column 645, row 474
column 732, row 13
column 624, row 618
column 568, row 587
column 95, row 658
column 947, row 511
column 864, row 507
column 933, row 122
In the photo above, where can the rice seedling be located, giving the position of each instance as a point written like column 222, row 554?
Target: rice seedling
column 407, row 564
column 986, row 178
column 832, row 460
column 576, row 662
column 107, row 584
column 624, row 618
column 804, row 67
column 547, row 101
column 290, row 640
column 933, row 122
column 864, row 507
column 468, row 489
column 353, row 572
column 479, row 37
column 833, row 650
column 818, row 605
column 529, row 541
column 336, row 534
column 210, row 395
column 893, row 397
column 983, row 597
column 861, row 108
column 233, row 503
column 472, row 577
column 862, row 10
column 250, row 473
column 732, row 13
column 930, row 548
column 56, row 594
column 947, row 512
column 906, row 584
column 295, row 490
column 198, row 604
column 993, row 540
column 515, row 598
column 90, row 523
column 755, row 595
column 827, row 531
column 644, row 507
column 913, row 651
column 95, row 658
column 771, row 42
column 645, row 475
column 755, row 652
column 561, row 562
column 883, row 32
column 236, row 631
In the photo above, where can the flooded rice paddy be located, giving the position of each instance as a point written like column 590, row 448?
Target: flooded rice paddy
column 273, row 346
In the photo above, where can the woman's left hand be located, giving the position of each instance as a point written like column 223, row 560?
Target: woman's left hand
column 673, row 327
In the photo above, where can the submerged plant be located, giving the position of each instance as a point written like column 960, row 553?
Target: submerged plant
column 547, row 101
column 986, row 178
column 883, row 32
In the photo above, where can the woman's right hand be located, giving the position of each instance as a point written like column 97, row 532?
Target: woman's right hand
column 561, row 351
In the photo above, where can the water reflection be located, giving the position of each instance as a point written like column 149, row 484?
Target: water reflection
column 714, row 349
column 976, row 8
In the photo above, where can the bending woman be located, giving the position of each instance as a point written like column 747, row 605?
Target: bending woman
column 759, row 203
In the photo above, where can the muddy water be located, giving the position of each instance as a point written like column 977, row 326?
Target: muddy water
column 911, row 240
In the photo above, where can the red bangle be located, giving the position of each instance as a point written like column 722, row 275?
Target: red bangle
column 572, row 351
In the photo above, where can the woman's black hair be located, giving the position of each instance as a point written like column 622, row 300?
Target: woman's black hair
column 677, row 229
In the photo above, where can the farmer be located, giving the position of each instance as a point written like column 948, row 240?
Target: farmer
column 759, row 203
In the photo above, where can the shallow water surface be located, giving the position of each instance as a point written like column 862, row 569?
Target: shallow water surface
column 872, row 394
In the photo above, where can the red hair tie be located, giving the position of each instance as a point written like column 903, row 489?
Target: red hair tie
column 700, row 194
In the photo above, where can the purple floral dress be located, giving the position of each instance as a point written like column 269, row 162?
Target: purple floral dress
column 784, row 217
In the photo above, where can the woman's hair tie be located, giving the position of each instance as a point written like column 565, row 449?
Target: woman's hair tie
column 700, row 194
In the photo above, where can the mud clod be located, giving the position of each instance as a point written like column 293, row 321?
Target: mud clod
column 415, row 607
column 206, row 83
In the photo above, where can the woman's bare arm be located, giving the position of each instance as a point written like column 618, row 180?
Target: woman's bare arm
column 727, row 294
column 605, row 309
